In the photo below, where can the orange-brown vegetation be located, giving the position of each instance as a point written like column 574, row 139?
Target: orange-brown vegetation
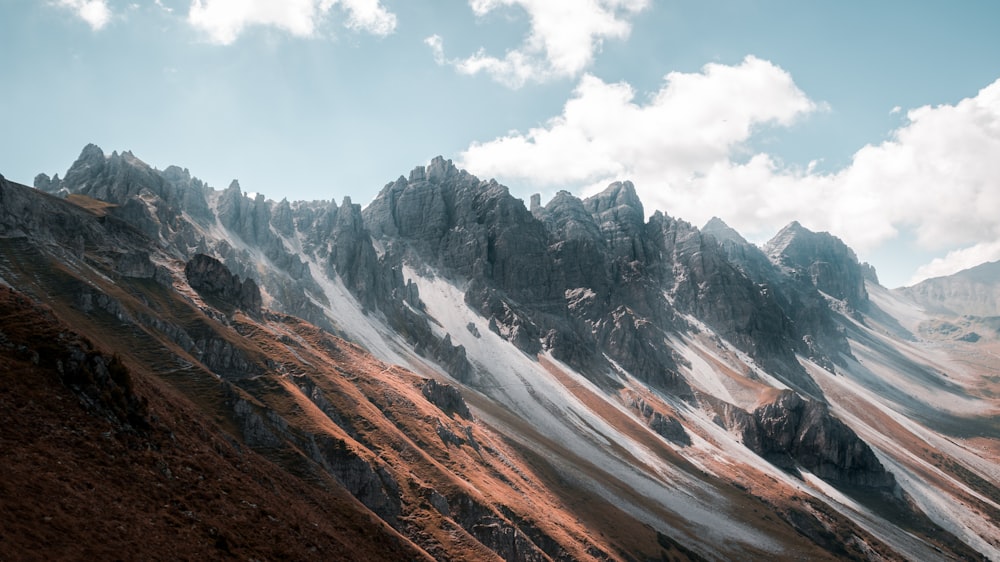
column 76, row 485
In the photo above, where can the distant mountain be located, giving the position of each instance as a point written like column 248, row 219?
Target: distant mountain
column 971, row 292
column 469, row 378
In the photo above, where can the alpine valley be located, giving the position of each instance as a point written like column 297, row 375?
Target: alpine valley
column 450, row 374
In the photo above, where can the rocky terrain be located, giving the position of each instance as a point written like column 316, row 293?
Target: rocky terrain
column 477, row 378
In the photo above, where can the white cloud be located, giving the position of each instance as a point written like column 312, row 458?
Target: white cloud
column 95, row 12
column 938, row 175
column 437, row 47
column 562, row 40
column 940, row 172
column 224, row 20
column 957, row 260
column 690, row 127
column 370, row 16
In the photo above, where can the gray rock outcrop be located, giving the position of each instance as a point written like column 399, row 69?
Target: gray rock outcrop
column 446, row 397
column 815, row 331
column 793, row 432
column 212, row 279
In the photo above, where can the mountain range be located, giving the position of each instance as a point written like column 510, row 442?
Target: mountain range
column 451, row 374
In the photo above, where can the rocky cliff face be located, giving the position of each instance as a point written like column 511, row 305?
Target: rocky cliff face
column 581, row 276
column 708, row 286
column 285, row 239
column 212, row 279
column 814, row 324
column 793, row 432
column 821, row 258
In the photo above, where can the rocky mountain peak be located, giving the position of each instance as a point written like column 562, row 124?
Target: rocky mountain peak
column 823, row 258
column 617, row 195
column 91, row 153
column 723, row 232
column 131, row 159
column 44, row 183
column 115, row 178
column 90, row 161
column 568, row 219
column 440, row 169
column 176, row 173
column 437, row 171
column 619, row 213
column 786, row 236
column 869, row 272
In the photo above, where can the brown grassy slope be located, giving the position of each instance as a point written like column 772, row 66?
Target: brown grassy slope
column 151, row 351
column 75, row 484
column 95, row 206
column 385, row 416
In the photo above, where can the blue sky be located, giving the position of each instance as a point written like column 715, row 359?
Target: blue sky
column 877, row 121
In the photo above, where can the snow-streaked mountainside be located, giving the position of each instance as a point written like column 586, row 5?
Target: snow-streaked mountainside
column 566, row 381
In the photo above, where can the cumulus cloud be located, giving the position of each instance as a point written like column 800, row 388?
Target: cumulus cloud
column 685, row 148
column 95, row 12
column 369, row 16
column 670, row 143
column 958, row 260
column 562, row 40
column 224, row 20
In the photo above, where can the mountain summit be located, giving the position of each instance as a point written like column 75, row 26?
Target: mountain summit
column 832, row 266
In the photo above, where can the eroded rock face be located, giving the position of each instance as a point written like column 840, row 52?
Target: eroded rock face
column 664, row 425
column 815, row 331
column 225, row 359
column 498, row 533
column 583, row 279
column 792, row 431
column 371, row 484
column 618, row 212
column 446, row 397
column 708, row 286
column 466, row 227
column 212, row 279
column 579, row 278
column 823, row 259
